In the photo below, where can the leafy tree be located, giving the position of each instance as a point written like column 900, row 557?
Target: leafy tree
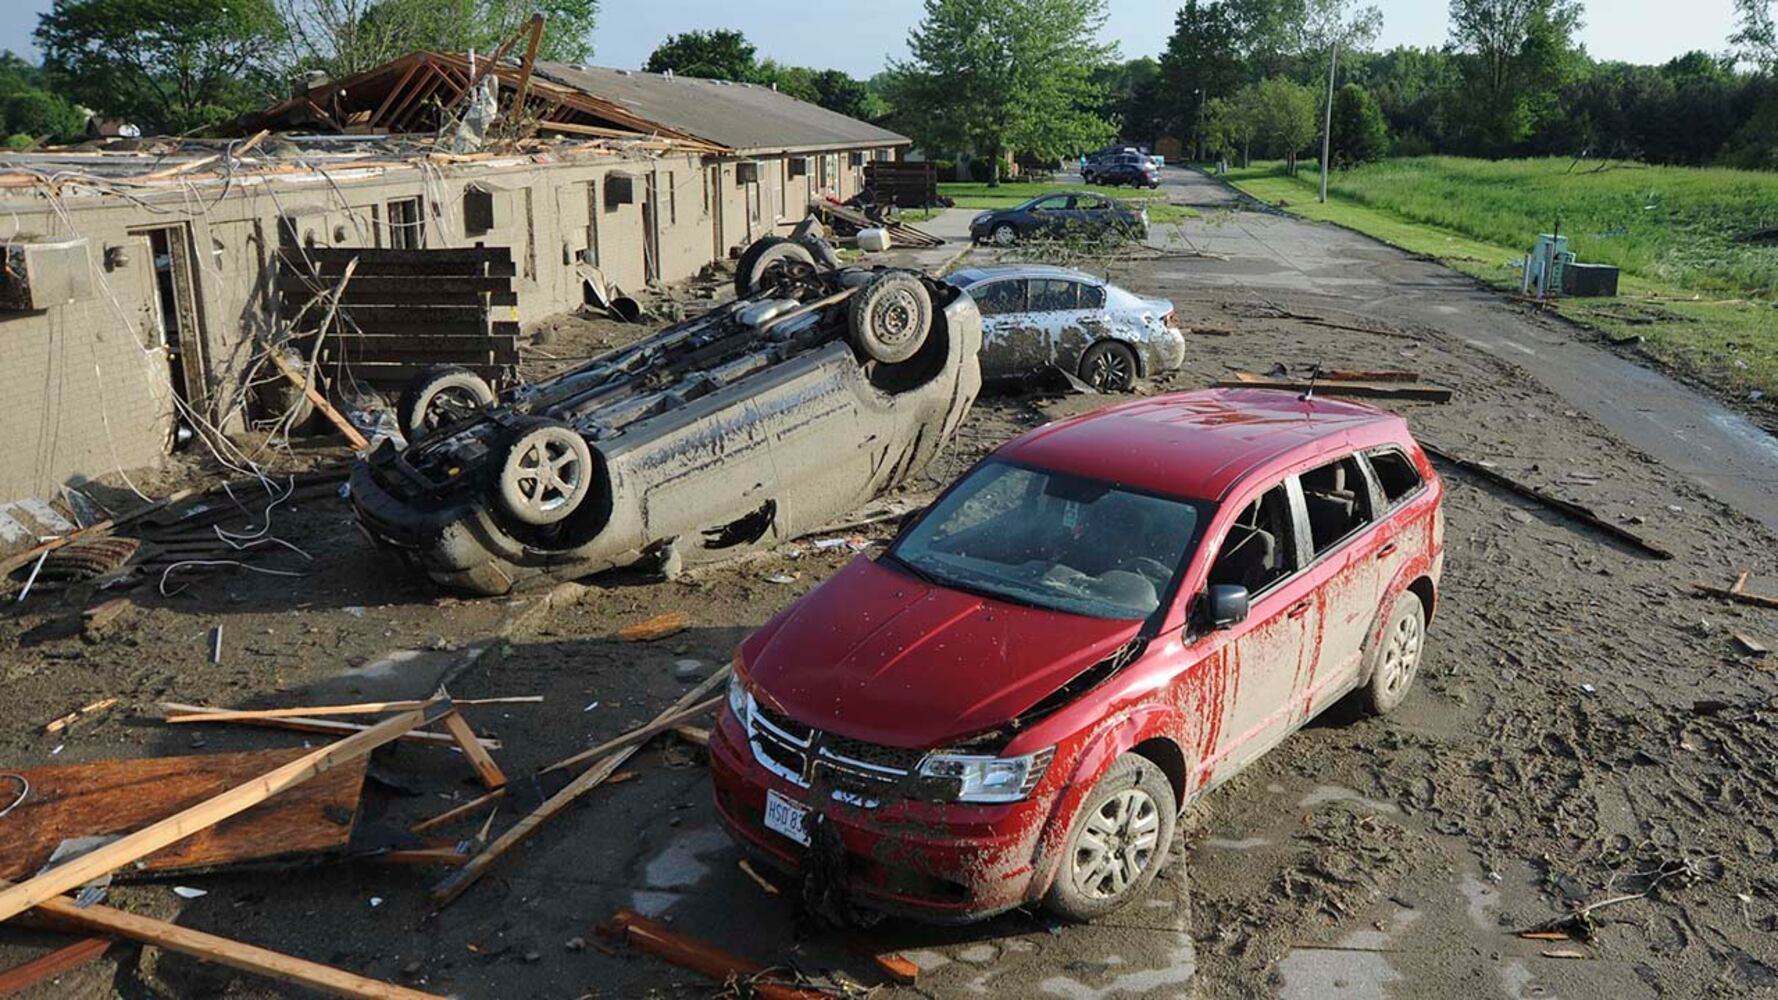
column 836, row 91
column 797, row 81
column 1199, row 65
column 995, row 76
column 30, row 110
column 344, row 37
column 722, row 54
column 1232, row 123
column 1415, row 89
column 176, row 64
column 1756, row 37
column 1359, row 134
column 1288, row 118
column 1518, row 53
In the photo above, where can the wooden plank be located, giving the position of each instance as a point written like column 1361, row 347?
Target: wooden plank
column 424, row 268
column 46, row 967
column 186, row 822
column 459, row 881
column 371, row 258
column 329, row 727
column 120, row 796
column 468, row 742
column 413, row 66
column 223, row 951
column 1738, row 596
column 361, row 708
column 659, row 627
column 396, row 348
column 369, row 285
column 351, row 434
column 403, row 320
column 703, row 958
column 695, row 735
column 458, row 812
column 1364, row 390
column 635, row 737
column 467, row 298
column 101, row 705
column 392, row 375
column 1568, row 507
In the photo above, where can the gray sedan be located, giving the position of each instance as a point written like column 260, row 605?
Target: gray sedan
column 1038, row 316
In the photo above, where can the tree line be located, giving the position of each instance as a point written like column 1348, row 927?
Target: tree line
column 1240, row 78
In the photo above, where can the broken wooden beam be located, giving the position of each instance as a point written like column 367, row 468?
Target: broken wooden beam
column 1568, row 507
column 221, row 950
column 458, row 812
column 352, row 435
column 470, row 744
column 43, row 968
column 1738, row 596
column 658, row 627
column 203, row 714
column 1363, row 390
column 635, row 737
column 57, row 725
column 695, row 735
column 703, row 958
column 131, row 847
column 459, row 881
column 329, row 727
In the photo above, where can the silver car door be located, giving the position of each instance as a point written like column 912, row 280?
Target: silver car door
column 1008, row 343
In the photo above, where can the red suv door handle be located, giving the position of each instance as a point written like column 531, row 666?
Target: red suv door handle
column 1298, row 611
column 1386, row 551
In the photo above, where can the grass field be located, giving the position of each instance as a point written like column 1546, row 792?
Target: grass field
column 1703, row 300
column 1013, row 193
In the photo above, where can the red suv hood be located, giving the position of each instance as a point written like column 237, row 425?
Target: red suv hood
column 877, row 655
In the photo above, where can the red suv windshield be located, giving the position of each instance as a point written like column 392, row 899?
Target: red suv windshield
column 1053, row 540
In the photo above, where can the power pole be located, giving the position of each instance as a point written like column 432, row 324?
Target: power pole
column 1333, row 55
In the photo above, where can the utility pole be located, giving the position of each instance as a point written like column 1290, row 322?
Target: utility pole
column 1333, row 55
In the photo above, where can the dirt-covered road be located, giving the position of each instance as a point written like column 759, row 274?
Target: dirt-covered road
column 1584, row 727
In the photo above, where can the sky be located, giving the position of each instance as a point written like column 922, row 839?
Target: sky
column 860, row 36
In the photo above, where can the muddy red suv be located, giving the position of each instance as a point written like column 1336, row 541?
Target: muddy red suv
column 1097, row 624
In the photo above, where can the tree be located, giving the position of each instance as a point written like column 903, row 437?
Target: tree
column 995, row 76
column 1199, row 65
column 1287, row 119
column 175, row 64
column 1359, row 134
column 28, row 109
column 1517, row 54
column 344, row 37
column 836, row 91
column 722, row 54
column 797, row 81
column 1756, row 38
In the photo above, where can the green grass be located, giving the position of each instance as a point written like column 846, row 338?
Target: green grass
column 1704, row 303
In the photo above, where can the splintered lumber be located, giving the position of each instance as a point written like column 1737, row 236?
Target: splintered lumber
column 1738, row 596
column 468, row 742
column 221, row 950
column 1365, row 390
column 459, row 881
column 132, row 847
column 1371, row 376
column 638, row 736
column 658, row 627
column 202, row 714
column 458, row 812
column 703, row 958
column 326, row 726
column 119, row 796
column 71, row 718
column 696, row 735
column 46, row 967
column 1568, row 507
column 351, row 434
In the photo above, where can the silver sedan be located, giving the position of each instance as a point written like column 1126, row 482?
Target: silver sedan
column 1037, row 316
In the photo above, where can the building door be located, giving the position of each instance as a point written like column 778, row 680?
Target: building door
column 651, row 257
column 715, row 208
column 177, row 310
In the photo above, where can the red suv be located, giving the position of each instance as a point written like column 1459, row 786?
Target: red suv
column 1098, row 623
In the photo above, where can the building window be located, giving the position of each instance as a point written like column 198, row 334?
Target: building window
column 407, row 224
column 796, row 166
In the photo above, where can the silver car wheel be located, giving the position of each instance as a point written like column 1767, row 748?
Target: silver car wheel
column 1005, row 235
column 1401, row 653
column 1118, row 842
column 546, row 475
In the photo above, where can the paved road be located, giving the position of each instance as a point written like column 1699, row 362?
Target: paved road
column 1685, row 430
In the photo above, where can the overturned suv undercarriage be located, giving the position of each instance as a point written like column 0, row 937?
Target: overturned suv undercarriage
column 817, row 389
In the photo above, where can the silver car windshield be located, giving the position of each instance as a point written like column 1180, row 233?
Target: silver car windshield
column 1053, row 540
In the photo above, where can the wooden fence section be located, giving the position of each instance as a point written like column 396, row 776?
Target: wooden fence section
column 903, row 183
column 403, row 310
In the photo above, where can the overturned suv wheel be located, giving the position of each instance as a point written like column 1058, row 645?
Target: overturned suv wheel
column 440, row 395
column 764, row 260
column 1118, row 842
column 890, row 318
column 547, row 472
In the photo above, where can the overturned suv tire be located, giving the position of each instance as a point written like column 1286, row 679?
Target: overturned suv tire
column 890, row 318
column 440, row 395
column 546, row 473
column 754, row 270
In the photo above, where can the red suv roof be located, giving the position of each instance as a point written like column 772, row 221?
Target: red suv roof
column 1191, row 444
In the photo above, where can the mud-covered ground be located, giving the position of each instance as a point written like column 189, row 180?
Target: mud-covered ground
column 1584, row 728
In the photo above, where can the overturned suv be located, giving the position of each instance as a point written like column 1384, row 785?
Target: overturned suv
column 818, row 388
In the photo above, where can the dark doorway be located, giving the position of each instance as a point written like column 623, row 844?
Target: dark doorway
column 176, row 311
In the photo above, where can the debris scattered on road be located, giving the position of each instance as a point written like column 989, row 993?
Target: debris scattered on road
column 47, row 967
column 1751, row 646
column 1737, row 593
column 1568, row 507
column 57, row 725
column 748, row 870
column 706, row 959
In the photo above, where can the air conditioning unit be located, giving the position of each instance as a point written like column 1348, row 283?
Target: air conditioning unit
column 42, row 275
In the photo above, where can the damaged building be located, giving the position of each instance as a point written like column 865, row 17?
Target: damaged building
column 143, row 288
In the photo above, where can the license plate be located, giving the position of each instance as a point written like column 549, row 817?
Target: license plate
column 786, row 817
